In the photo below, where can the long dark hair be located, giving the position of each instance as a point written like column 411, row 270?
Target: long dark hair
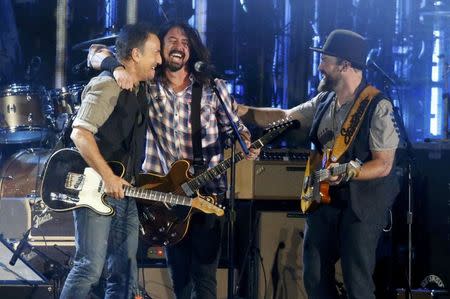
column 198, row 51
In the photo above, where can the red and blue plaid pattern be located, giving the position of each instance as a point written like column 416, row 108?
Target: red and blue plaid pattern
column 170, row 117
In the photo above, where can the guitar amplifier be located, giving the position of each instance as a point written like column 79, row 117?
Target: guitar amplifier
column 278, row 175
column 48, row 227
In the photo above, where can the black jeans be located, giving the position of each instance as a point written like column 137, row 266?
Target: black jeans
column 333, row 233
column 193, row 261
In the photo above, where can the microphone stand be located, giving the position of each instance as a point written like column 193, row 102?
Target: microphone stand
column 231, row 200
column 388, row 83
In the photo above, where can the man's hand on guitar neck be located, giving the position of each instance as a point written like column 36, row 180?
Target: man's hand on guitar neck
column 334, row 180
column 252, row 152
column 352, row 170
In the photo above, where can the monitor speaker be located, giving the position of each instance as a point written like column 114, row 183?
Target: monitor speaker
column 20, row 280
column 280, row 242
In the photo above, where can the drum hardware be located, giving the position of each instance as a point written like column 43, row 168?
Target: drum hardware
column 88, row 43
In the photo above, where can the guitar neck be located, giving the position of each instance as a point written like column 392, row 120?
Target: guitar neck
column 339, row 169
column 207, row 176
column 323, row 174
column 222, row 167
column 152, row 195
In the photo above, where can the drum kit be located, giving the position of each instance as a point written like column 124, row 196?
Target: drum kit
column 34, row 122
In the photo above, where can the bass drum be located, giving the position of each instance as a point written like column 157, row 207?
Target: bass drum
column 25, row 114
column 21, row 174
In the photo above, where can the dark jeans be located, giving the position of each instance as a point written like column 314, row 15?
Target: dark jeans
column 193, row 261
column 100, row 239
column 333, row 233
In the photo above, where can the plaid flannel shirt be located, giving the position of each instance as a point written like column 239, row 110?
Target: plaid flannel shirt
column 170, row 118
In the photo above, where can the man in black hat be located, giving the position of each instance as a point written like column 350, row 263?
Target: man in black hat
column 351, row 121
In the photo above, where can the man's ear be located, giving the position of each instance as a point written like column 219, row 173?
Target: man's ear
column 345, row 65
column 136, row 54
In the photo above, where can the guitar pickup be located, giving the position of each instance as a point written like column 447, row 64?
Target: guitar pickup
column 63, row 198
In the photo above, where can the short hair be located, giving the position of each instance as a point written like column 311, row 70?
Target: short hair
column 197, row 50
column 132, row 36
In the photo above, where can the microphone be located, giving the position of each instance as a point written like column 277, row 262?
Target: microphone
column 205, row 68
column 78, row 67
column 21, row 247
column 372, row 64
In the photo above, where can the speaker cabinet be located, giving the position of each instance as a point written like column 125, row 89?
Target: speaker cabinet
column 431, row 227
column 269, row 179
column 280, row 241
column 20, row 280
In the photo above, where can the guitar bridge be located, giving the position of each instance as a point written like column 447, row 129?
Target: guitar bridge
column 74, row 181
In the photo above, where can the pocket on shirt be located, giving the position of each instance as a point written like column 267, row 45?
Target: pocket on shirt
column 205, row 115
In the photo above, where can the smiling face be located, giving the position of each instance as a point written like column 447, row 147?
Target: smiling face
column 149, row 58
column 330, row 70
column 176, row 49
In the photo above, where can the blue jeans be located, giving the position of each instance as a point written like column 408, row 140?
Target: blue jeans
column 193, row 261
column 100, row 239
column 333, row 233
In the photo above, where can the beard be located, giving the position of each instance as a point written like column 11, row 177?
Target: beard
column 174, row 67
column 327, row 83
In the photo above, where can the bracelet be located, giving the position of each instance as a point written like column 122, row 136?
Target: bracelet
column 110, row 63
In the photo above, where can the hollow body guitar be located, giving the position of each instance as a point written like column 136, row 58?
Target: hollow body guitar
column 164, row 224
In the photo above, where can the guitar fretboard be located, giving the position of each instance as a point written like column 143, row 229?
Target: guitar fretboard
column 214, row 172
column 323, row 174
column 207, row 176
column 157, row 196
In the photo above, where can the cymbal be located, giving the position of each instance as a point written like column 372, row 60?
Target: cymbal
column 102, row 39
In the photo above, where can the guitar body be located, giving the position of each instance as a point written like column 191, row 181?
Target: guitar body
column 53, row 189
column 164, row 224
column 314, row 193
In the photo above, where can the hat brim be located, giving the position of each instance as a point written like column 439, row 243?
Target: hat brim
column 323, row 52
column 335, row 55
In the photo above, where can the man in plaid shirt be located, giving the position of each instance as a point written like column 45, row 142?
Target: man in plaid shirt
column 193, row 261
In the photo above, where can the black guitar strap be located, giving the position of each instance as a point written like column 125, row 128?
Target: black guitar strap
column 199, row 162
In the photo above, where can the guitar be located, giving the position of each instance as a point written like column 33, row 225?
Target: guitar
column 166, row 225
column 315, row 188
column 68, row 183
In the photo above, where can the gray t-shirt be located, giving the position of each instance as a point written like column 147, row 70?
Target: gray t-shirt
column 383, row 135
column 99, row 98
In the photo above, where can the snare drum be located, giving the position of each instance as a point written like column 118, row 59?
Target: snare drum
column 24, row 114
column 21, row 174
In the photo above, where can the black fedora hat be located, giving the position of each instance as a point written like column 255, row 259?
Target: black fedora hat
column 346, row 44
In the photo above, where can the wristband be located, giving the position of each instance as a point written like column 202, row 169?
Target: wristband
column 110, row 63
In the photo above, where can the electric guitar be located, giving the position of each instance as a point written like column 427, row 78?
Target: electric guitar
column 315, row 188
column 68, row 183
column 167, row 224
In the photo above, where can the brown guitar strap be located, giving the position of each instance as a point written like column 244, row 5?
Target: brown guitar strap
column 353, row 122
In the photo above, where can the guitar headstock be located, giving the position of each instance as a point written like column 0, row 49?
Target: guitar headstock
column 282, row 124
column 207, row 204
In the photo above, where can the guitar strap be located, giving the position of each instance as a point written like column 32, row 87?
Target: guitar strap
column 353, row 122
column 142, row 117
column 198, row 163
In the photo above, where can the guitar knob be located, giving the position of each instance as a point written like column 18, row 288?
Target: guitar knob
column 174, row 234
column 166, row 243
column 161, row 229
